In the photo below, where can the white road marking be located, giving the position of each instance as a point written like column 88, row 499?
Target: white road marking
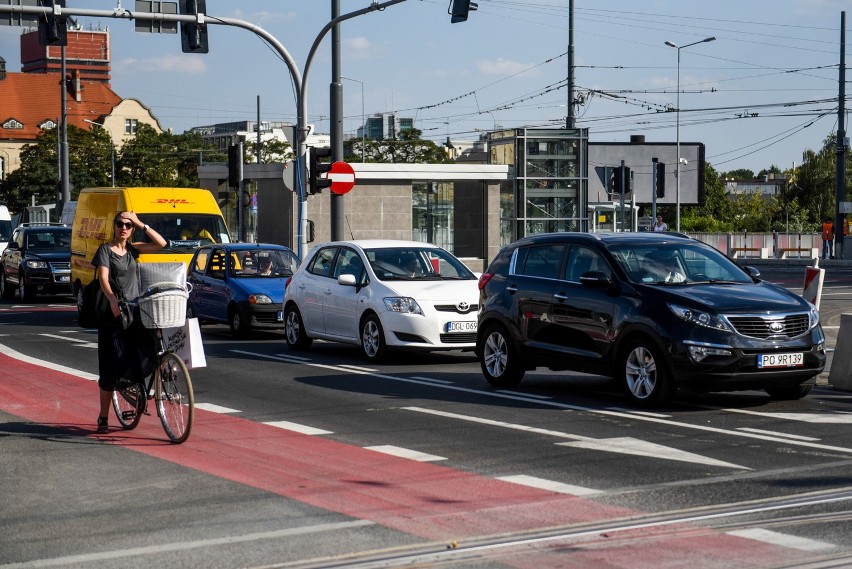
column 623, row 445
column 49, row 365
column 532, row 395
column 433, row 380
column 636, row 447
column 290, row 356
column 406, row 453
column 643, row 413
column 303, row 429
column 200, row 544
column 551, row 485
column 80, row 343
column 782, row 539
column 216, row 408
column 822, row 418
column 358, row 368
column 777, row 434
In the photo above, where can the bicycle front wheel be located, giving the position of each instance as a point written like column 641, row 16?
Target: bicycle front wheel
column 174, row 398
column 129, row 404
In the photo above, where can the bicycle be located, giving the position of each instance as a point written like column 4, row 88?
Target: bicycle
column 169, row 385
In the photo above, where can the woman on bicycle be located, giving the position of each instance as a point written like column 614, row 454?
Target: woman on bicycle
column 115, row 264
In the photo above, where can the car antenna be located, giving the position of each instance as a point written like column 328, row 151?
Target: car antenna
column 351, row 234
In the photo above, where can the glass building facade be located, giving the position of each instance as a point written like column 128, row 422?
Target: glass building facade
column 548, row 182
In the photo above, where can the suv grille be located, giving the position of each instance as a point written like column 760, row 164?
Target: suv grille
column 455, row 308
column 61, row 266
column 765, row 327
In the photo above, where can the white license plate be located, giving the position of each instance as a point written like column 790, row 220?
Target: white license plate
column 64, row 279
column 279, row 316
column 461, row 326
column 780, row 360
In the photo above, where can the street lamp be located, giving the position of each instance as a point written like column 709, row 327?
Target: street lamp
column 363, row 118
column 678, row 161
column 111, row 145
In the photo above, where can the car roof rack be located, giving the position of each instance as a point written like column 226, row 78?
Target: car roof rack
column 43, row 224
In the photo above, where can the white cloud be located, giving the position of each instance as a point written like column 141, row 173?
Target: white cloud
column 359, row 47
column 170, row 63
column 504, row 67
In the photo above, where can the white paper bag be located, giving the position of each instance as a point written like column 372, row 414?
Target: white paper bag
column 186, row 343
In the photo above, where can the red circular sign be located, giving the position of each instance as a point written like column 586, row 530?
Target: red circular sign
column 342, row 177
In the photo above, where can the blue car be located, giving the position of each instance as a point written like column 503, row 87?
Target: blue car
column 241, row 284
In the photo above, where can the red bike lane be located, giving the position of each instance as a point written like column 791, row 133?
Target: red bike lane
column 433, row 502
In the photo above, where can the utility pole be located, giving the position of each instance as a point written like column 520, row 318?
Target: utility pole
column 64, row 182
column 840, row 183
column 336, row 99
column 571, row 122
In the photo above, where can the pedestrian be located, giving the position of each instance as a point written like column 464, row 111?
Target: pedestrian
column 115, row 266
column 827, row 239
column 660, row 225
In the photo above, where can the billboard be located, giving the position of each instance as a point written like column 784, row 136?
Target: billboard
column 605, row 158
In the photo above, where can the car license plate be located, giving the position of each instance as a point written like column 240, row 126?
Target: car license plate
column 279, row 316
column 780, row 360
column 461, row 327
column 64, row 279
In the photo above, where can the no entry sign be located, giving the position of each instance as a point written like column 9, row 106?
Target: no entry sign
column 342, row 177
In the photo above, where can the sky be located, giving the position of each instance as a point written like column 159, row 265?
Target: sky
column 759, row 95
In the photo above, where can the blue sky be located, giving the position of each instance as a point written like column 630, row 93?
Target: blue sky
column 759, row 95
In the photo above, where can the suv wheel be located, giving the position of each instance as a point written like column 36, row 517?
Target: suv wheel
column 499, row 359
column 294, row 331
column 5, row 290
column 24, row 292
column 644, row 374
column 372, row 338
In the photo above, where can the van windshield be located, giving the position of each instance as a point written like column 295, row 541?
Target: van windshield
column 184, row 232
column 5, row 230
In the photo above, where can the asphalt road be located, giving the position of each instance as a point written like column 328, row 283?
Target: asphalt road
column 314, row 459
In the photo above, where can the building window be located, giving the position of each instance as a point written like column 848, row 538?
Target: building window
column 12, row 123
column 432, row 214
column 48, row 124
column 130, row 126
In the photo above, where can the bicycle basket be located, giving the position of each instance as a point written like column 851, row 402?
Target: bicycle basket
column 163, row 306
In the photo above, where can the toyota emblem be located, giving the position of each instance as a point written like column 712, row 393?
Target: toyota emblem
column 463, row 306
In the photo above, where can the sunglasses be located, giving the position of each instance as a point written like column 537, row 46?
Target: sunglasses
column 126, row 225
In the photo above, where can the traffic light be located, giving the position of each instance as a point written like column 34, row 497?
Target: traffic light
column 661, row 180
column 193, row 35
column 52, row 29
column 617, row 185
column 235, row 165
column 316, row 167
column 459, row 9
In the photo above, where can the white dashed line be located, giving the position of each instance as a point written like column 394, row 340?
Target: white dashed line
column 303, row 429
column 782, row 539
column 551, row 485
column 406, row 453
column 216, row 408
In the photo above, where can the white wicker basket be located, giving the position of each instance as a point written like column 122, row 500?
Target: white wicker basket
column 165, row 309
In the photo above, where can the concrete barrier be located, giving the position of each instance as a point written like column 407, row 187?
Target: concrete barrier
column 840, row 375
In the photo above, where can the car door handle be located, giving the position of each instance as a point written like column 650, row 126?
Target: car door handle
column 512, row 289
column 560, row 296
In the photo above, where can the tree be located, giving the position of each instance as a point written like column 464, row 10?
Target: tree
column 815, row 182
column 272, row 150
column 407, row 148
column 739, row 174
column 716, row 213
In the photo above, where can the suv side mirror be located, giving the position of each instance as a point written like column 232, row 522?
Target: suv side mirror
column 595, row 279
column 753, row 272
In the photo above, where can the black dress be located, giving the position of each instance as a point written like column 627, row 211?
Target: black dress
column 128, row 354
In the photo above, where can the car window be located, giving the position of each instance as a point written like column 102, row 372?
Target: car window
column 201, row 261
column 349, row 263
column 686, row 263
column 540, row 261
column 323, row 262
column 217, row 264
column 582, row 260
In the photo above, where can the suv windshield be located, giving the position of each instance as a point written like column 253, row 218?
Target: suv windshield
column 411, row 263
column 48, row 240
column 677, row 263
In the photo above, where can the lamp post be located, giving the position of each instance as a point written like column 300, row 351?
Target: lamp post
column 677, row 128
column 363, row 119
column 112, row 148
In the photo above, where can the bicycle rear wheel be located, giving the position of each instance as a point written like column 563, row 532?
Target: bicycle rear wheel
column 174, row 398
column 129, row 404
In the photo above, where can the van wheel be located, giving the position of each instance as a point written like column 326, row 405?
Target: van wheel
column 644, row 374
column 239, row 322
column 5, row 290
column 501, row 364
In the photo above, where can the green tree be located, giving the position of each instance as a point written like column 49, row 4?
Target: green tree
column 739, row 174
column 272, row 150
column 716, row 213
column 814, row 186
column 407, row 148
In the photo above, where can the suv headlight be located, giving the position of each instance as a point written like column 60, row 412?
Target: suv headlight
column 700, row 318
column 813, row 316
column 37, row 265
column 403, row 304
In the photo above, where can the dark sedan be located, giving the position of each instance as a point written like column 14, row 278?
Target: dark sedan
column 241, row 284
column 656, row 311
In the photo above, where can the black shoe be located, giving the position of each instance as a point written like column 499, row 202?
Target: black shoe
column 103, row 425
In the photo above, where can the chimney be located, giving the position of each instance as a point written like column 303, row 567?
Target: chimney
column 75, row 85
column 2, row 68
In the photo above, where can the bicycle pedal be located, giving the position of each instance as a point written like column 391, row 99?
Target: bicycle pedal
column 128, row 415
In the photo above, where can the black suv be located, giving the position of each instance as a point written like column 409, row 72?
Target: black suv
column 653, row 310
column 36, row 260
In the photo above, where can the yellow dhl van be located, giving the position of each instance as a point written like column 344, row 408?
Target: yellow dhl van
column 186, row 217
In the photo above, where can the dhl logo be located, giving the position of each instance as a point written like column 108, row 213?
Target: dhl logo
column 92, row 227
column 181, row 201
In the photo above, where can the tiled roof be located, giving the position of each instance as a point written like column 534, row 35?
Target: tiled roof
column 32, row 98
